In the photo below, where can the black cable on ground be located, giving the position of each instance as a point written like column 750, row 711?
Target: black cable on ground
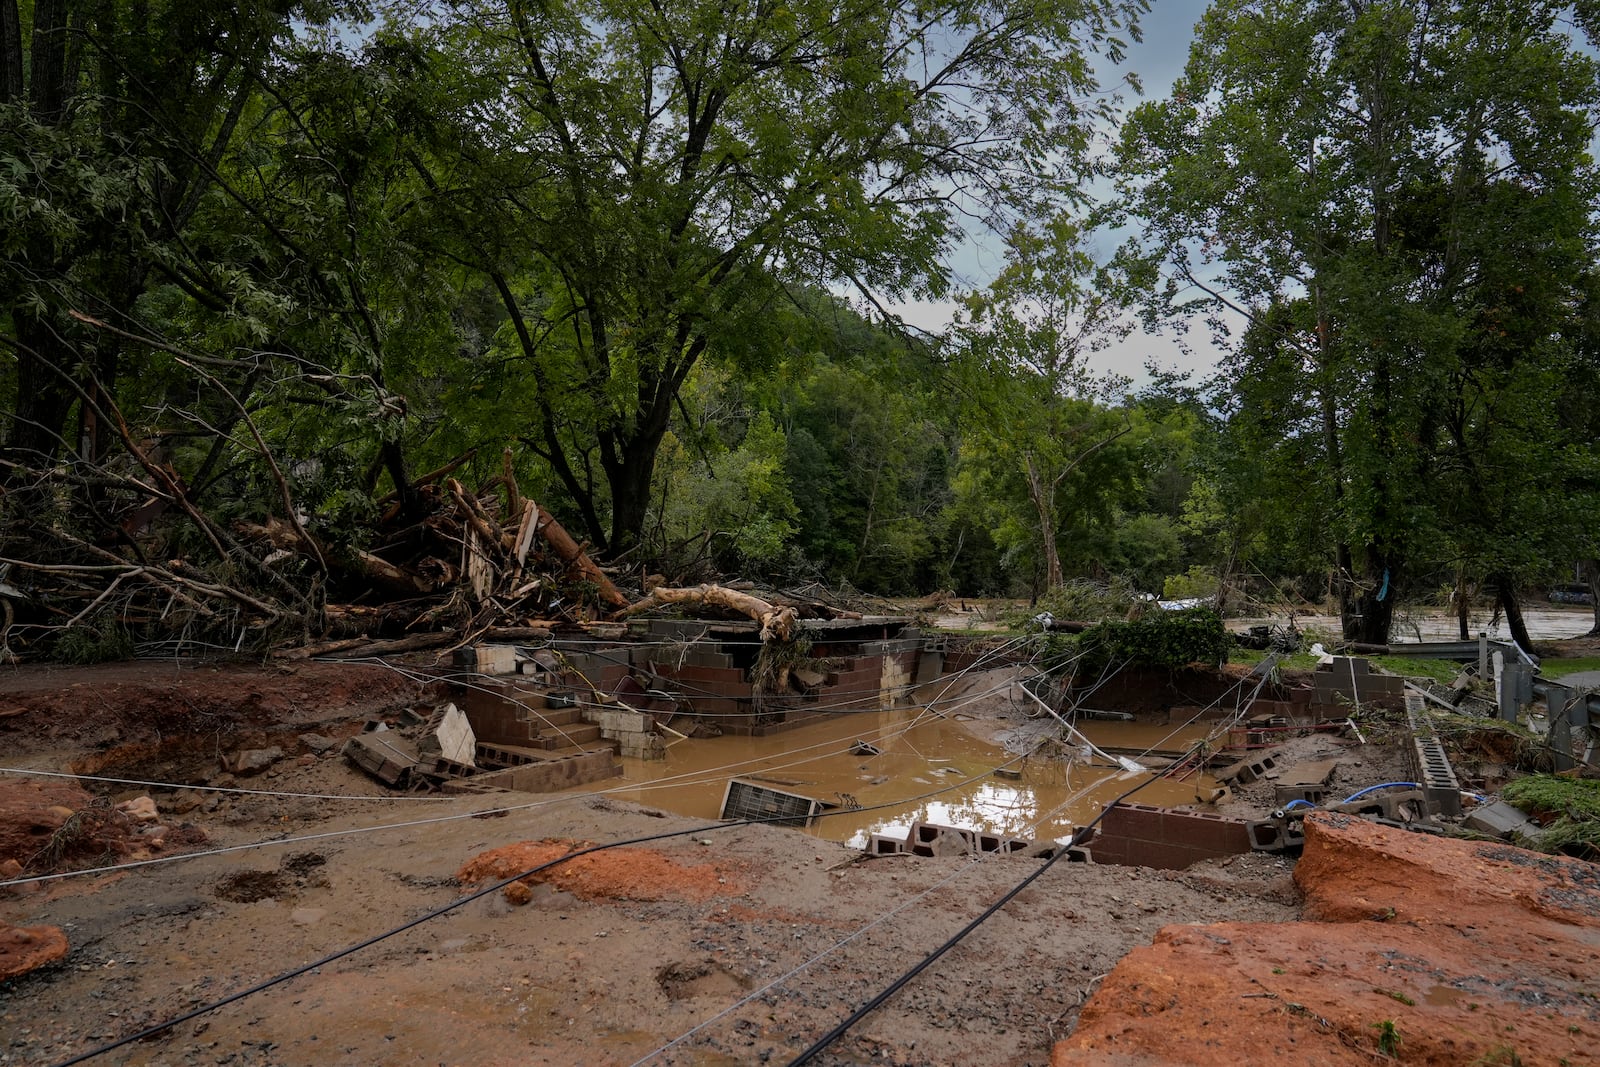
column 927, row 961
column 332, row 957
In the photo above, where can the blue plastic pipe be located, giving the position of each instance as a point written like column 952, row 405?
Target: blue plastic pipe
column 1298, row 801
column 1359, row 793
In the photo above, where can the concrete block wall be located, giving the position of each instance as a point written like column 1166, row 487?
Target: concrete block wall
column 501, row 722
column 1349, row 679
column 1139, row 835
column 547, row 776
column 603, row 669
column 857, row 682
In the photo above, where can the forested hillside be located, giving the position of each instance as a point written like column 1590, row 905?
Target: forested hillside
column 301, row 304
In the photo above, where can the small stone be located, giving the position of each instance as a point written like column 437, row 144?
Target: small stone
column 140, row 809
column 255, row 760
column 306, row 916
column 517, row 894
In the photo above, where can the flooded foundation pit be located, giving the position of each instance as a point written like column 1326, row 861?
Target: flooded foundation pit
column 920, row 757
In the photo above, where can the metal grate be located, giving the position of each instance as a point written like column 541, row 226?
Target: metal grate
column 746, row 800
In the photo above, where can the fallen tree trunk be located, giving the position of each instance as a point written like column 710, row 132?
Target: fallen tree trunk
column 569, row 550
column 366, row 646
column 279, row 534
column 776, row 623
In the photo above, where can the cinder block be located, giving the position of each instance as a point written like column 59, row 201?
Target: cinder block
column 883, row 845
column 1503, row 821
column 488, row 659
column 1404, row 806
column 1311, row 794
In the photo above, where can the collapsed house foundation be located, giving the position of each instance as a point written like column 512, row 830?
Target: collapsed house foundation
column 560, row 716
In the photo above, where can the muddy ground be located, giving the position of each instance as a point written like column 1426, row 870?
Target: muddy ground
column 608, row 963
column 714, row 946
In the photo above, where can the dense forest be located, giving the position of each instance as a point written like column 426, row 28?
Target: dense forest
column 276, row 280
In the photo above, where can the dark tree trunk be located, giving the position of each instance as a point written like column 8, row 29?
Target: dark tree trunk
column 1371, row 610
column 44, row 399
column 1506, row 590
column 630, row 482
column 1591, row 575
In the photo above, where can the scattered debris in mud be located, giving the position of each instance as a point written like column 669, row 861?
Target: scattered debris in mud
column 637, row 944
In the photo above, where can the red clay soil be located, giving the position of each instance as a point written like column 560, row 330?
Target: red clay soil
column 1423, row 950
column 27, row 948
column 615, row 874
column 48, row 825
column 151, row 699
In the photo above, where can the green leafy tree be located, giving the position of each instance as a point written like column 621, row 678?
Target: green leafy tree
column 643, row 183
column 113, row 117
column 1350, row 177
column 1033, row 408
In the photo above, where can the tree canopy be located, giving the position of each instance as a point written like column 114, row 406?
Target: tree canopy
column 276, row 280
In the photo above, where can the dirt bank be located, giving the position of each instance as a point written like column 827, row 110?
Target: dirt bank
column 1423, row 950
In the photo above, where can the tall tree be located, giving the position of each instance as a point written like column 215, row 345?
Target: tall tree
column 1033, row 405
column 644, row 180
column 113, row 117
column 1357, row 160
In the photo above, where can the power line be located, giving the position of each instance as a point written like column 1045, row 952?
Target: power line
column 475, row 895
column 927, row 961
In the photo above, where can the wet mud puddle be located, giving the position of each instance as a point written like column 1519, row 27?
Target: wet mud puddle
column 925, row 768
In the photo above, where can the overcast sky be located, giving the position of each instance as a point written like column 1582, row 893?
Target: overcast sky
column 1158, row 60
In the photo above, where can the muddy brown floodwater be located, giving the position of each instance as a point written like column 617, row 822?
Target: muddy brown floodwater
column 919, row 753
column 1545, row 623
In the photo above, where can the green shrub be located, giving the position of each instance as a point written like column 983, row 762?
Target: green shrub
column 1169, row 639
column 1198, row 581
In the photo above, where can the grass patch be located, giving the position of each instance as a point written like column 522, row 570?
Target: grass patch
column 1300, row 661
column 1547, row 794
column 1443, row 671
column 1574, row 801
column 1560, row 668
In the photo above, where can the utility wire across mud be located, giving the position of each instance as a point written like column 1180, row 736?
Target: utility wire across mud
column 477, row 894
column 686, row 779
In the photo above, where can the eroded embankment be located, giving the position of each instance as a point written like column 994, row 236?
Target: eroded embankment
column 1426, row 950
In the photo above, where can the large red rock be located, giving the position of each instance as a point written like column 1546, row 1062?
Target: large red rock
column 1434, row 951
column 26, row 948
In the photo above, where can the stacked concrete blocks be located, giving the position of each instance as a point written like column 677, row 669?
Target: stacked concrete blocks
column 1349, row 680
column 1139, row 835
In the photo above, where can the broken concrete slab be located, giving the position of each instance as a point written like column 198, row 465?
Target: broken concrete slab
column 1502, row 820
column 451, row 739
column 1316, row 773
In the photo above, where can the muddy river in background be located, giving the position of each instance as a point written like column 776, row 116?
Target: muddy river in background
column 926, row 768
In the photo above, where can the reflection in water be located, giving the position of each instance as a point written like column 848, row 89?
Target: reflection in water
column 919, row 754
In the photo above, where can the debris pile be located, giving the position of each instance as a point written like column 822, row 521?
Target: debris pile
column 440, row 565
